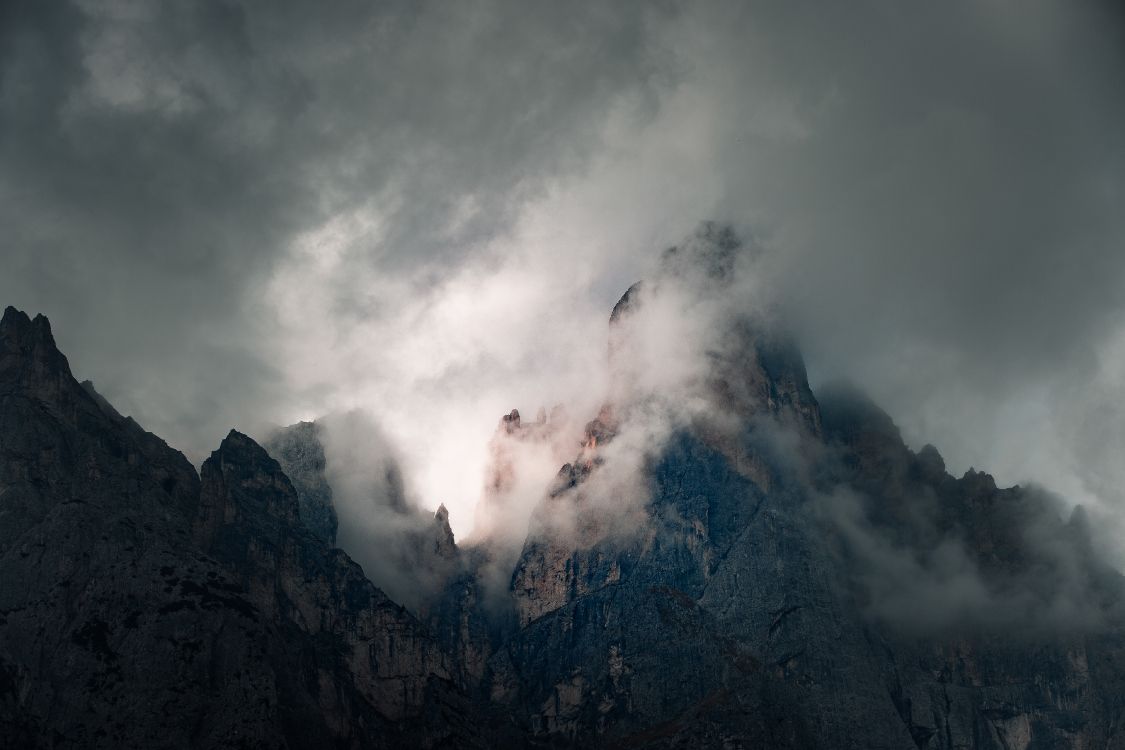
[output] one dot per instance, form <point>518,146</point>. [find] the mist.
<point>249,215</point>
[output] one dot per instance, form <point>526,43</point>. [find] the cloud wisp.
<point>251,214</point>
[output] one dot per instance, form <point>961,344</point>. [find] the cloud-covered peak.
<point>404,208</point>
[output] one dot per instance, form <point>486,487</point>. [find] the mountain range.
<point>724,559</point>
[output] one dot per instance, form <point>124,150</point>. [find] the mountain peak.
<point>17,323</point>
<point>444,544</point>
<point>242,481</point>
<point>692,328</point>
<point>299,449</point>
<point>511,421</point>
<point>627,302</point>
<point>711,253</point>
<point>847,411</point>
<point>25,341</point>
<point>13,317</point>
<point>238,441</point>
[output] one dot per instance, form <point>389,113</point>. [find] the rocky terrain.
<point>770,568</point>
<point>143,605</point>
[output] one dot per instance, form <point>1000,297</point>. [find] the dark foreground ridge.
<point>798,578</point>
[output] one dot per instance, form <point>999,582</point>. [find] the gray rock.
<point>300,452</point>
<point>756,603</point>
<point>141,607</point>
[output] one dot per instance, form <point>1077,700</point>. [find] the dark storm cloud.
<point>958,173</point>
<point>134,226</point>
<point>237,211</point>
<point>157,159</point>
<point>943,187</point>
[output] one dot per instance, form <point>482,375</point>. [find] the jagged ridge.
<point>754,597</point>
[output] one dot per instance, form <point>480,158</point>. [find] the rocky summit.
<point>726,560</point>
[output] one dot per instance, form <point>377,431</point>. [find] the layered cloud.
<point>240,214</point>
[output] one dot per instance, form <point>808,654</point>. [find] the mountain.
<point>725,559</point>
<point>143,605</point>
<point>300,453</point>
<point>406,551</point>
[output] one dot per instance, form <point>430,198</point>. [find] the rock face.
<point>803,579</point>
<point>407,552</point>
<point>300,452</point>
<point>362,649</point>
<point>141,606</point>
<point>797,577</point>
<point>767,568</point>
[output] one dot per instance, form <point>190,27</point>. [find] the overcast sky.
<point>243,214</point>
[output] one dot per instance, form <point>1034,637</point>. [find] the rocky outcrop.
<point>366,648</point>
<point>1011,632</point>
<point>300,452</point>
<point>745,617</point>
<point>516,453</point>
<point>756,386</point>
<point>797,577</point>
<point>142,607</point>
<point>408,552</point>
<point>736,617</point>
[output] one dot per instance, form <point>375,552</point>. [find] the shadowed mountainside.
<point>142,605</point>
<point>771,567</point>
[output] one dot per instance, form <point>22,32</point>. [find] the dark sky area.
<point>243,214</point>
